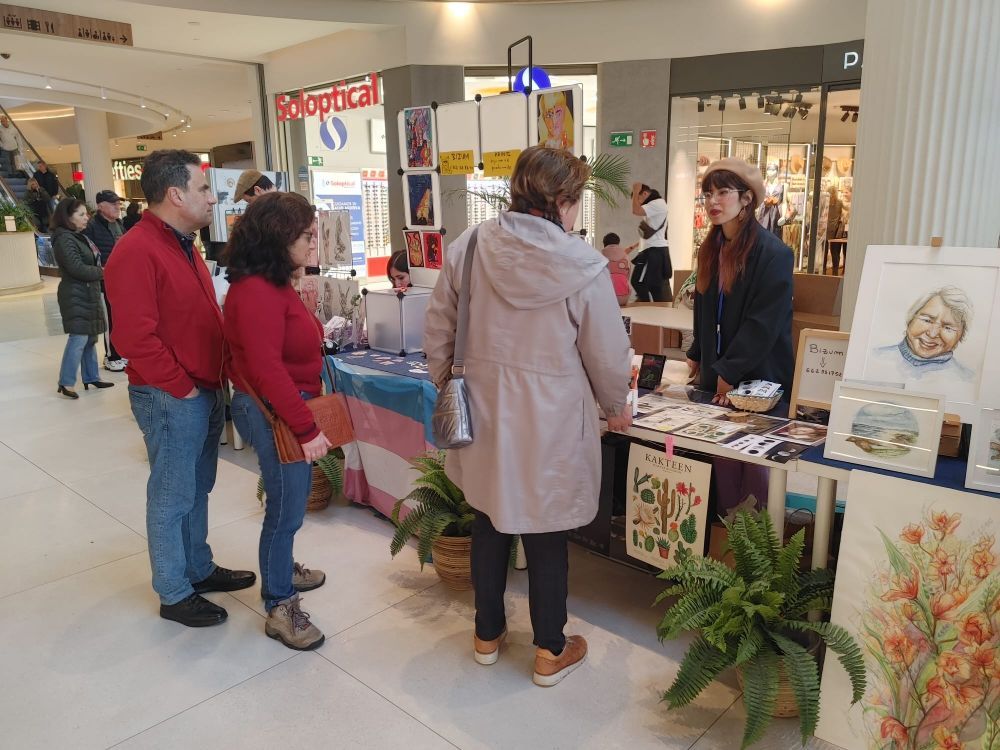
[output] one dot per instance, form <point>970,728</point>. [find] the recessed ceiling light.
<point>104,94</point>
<point>142,102</point>
<point>48,82</point>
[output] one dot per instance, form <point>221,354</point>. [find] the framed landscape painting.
<point>983,471</point>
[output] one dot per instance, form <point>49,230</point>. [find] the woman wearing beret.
<point>742,304</point>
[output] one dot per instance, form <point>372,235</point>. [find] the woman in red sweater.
<point>275,357</point>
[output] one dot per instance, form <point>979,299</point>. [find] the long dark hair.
<point>66,208</point>
<point>397,262</point>
<point>710,252</point>
<point>258,245</point>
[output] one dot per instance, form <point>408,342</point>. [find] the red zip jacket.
<point>275,345</point>
<point>167,322</point>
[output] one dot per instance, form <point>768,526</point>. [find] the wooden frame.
<point>800,361</point>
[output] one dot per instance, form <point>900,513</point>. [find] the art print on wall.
<point>421,198</point>
<point>983,471</point>
<point>556,118</point>
<point>433,250</point>
<point>887,428</point>
<point>418,138</point>
<point>667,506</point>
<point>414,251</point>
<point>334,240</point>
<point>918,586</point>
<point>928,319</point>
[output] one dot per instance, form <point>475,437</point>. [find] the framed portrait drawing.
<point>885,428</point>
<point>555,118</point>
<point>928,320</point>
<point>422,200</point>
<point>417,138</point>
<point>983,471</point>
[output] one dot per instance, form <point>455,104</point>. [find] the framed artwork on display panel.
<point>983,470</point>
<point>418,138</point>
<point>928,319</point>
<point>918,587</point>
<point>422,200</point>
<point>885,428</point>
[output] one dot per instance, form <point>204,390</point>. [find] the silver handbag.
<point>452,420</point>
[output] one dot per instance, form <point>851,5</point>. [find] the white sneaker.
<point>114,365</point>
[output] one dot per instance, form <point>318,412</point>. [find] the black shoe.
<point>195,612</point>
<point>224,579</point>
<point>97,384</point>
<point>67,392</point>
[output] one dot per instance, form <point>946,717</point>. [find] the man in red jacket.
<point>171,333</point>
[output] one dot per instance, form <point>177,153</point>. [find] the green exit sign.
<point>140,147</point>
<point>621,138</point>
<point>315,161</point>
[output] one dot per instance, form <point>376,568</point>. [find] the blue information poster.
<point>341,191</point>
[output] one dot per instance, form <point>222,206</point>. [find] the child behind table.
<point>618,265</point>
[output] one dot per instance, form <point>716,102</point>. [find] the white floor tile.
<point>122,494</point>
<point>96,664</point>
<point>52,533</point>
<point>783,734</point>
<point>305,702</point>
<point>20,475</point>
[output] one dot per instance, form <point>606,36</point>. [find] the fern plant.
<point>608,182</point>
<point>332,466</point>
<point>755,617</point>
<point>439,509</point>
<point>24,217</point>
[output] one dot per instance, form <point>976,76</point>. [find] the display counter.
<point>18,263</point>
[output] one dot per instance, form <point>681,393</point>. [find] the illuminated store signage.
<point>341,97</point>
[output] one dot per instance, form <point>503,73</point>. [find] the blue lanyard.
<point>718,324</point>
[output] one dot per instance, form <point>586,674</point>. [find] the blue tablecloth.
<point>950,472</point>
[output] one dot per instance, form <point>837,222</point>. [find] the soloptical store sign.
<point>321,103</point>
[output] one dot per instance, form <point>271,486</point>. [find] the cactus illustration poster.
<point>666,506</point>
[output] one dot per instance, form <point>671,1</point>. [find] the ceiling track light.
<point>790,112</point>
<point>854,117</point>
<point>743,103</point>
<point>760,102</point>
<point>722,104</point>
<point>701,106</point>
<point>798,99</point>
<point>803,112</point>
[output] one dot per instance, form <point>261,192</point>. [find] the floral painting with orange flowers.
<point>666,506</point>
<point>918,584</point>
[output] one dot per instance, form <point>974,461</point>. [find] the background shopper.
<point>132,215</point>
<point>276,356</point>
<point>398,270</point>
<point>40,202</point>
<point>544,336</point>
<point>170,329</point>
<point>104,230</point>
<point>9,145</point>
<point>618,265</point>
<point>47,179</point>
<point>742,308</point>
<point>652,271</point>
<point>79,296</point>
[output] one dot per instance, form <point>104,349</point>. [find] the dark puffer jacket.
<point>80,287</point>
<point>104,234</point>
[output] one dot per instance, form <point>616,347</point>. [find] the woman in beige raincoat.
<point>545,337</point>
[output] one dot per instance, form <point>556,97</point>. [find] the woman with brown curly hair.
<point>545,336</point>
<point>275,355</point>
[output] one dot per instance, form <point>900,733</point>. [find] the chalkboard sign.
<point>819,364</point>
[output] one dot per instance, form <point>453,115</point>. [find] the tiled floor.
<point>87,663</point>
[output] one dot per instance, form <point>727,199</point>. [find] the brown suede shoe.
<point>550,669</point>
<point>304,579</point>
<point>487,652</point>
<point>289,624</point>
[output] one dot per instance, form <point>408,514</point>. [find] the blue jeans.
<point>79,353</point>
<point>287,487</point>
<point>182,441</point>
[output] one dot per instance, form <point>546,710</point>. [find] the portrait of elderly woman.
<point>936,324</point>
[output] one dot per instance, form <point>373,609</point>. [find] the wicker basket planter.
<point>319,495</point>
<point>785,706</point>
<point>452,561</point>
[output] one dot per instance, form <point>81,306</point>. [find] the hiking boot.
<point>287,623</point>
<point>304,579</point>
<point>550,669</point>
<point>487,652</point>
<point>195,612</point>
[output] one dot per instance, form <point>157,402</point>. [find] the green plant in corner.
<point>332,466</point>
<point>24,217</point>
<point>755,617</point>
<point>438,508</point>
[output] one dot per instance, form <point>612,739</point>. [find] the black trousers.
<point>109,346</point>
<point>654,284</point>
<point>548,582</point>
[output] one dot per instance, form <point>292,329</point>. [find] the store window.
<point>339,157</point>
<point>492,83</point>
<point>806,160</point>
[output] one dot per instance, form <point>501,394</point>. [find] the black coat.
<point>80,287</point>
<point>756,328</point>
<point>104,234</point>
<point>48,182</point>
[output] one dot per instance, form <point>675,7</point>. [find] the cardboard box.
<point>815,294</point>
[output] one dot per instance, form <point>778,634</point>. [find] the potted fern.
<point>755,617</point>
<point>442,520</point>
<point>327,480</point>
